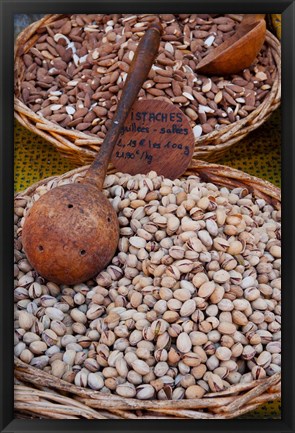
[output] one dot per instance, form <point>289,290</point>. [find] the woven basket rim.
<point>217,173</point>
<point>82,148</point>
<point>225,404</point>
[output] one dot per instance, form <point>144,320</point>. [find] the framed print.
<point>147,184</point>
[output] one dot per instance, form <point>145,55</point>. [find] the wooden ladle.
<point>239,51</point>
<point>71,233</point>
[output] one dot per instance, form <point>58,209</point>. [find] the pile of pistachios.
<point>189,305</point>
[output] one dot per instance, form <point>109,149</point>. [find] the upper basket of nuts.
<point>70,69</point>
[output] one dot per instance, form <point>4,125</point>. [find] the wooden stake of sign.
<point>156,136</point>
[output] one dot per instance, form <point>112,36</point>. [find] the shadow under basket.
<point>81,148</point>
<point>39,394</point>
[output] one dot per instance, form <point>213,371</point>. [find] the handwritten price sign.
<point>156,136</point>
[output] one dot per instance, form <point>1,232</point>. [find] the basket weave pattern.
<point>81,148</point>
<point>39,394</point>
<point>84,403</point>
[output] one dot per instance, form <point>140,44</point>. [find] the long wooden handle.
<point>141,64</point>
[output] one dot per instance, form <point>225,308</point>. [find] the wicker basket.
<point>39,394</point>
<point>81,148</point>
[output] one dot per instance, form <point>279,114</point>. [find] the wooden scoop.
<point>239,51</point>
<point>71,233</point>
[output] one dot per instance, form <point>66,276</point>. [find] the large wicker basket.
<point>81,148</point>
<point>39,394</point>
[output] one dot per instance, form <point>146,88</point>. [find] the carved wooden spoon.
<point>71,233</point>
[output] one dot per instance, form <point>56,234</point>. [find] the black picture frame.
<point>7,10</point>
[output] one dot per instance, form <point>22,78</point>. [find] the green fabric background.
<point>258,154</point>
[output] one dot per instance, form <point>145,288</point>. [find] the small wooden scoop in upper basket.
<point>239,51</point>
